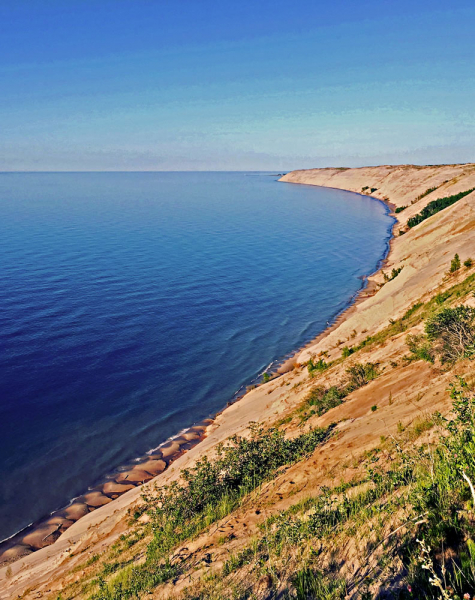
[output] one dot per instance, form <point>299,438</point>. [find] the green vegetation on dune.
<point>419,491</point>
<point>207,493</point>
<point>320,399</point>
<point>393,275</point>
<point>316,367</point>
<point>418,313</point>
<point>409,528</point>
<point>426,193</point>
<point>436,206</point>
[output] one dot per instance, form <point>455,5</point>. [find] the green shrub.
<point>453,332</point>
<point>266,377</point>
<point>455,264</point>
<point>323,399</point>
<point>374,190</point>
<point>374,408</point>
<point>400,209</point>
<point>420,348</point>
<point>394,274</point>
<point>347,351</point>
<point>442,297</point>
<point>361,374</point>
<point>426,193</point>
<point>468,263</point>
<point>206,493</point>
<point>316,367</point>
<point>436,206</point>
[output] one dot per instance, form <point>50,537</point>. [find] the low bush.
<point>361,374</point>
<point>315,367</point>
<point>426,193</point>
<point>394,274</point>
<point>452,331</point>
<point>420,348</point>
<point>468,263</point>
<point>347,351</point>
<point>321,400</point>
<point>206,493</point>
<point>400,209</point>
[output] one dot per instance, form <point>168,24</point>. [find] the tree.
<point>455,264</point>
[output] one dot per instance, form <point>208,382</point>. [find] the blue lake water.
<point>134,304</point>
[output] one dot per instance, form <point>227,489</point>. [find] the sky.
<point>225,85</point>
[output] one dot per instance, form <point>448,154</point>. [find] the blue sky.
<point>220,85</point>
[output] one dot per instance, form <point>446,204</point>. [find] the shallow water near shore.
<point>134,304</point>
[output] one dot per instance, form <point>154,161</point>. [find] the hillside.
<point>327,495</point>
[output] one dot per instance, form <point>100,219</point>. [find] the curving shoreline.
<point>45,531</point>
<point>48,529</point>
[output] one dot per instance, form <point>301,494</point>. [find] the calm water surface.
<point>134,304</point>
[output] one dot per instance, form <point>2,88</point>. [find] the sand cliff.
<point>402,391</point>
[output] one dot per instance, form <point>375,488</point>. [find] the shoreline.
<point>367,290</point>
<point>45,531</point>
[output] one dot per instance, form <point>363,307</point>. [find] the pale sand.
<point>425,253</point>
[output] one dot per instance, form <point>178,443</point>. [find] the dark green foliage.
<point>455,264</point>
<point>374,190</point>
<point>347,351</point>
<point>420,348</point>
<point>468,263</point>
<point>426,193</point>
<point>316,367</point>
<point>322,400</point>
<point>208,491</point>
<point>441,298</point>
<point>266,377</point>
<point>366,187</point>
<point>442,492</point>
<point>453,332</point>
<point>374,408</point>
<point>400,209</point>
<point>241,464</point>
<point>361,374</point>
<point>435,206</point>
<point>394,274</point>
